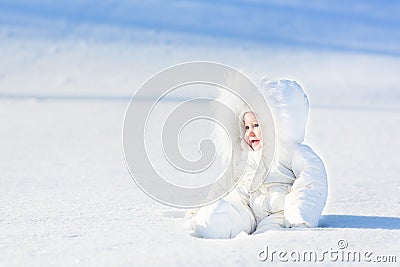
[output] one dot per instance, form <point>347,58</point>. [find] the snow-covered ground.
<point>66,196</point>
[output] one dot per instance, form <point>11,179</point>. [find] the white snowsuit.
<point>295,190</point>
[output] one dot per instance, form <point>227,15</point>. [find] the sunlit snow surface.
<point>66,196</point>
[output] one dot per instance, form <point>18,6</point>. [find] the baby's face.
<point>252,133</point>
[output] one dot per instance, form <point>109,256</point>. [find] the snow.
<point>66,196</point>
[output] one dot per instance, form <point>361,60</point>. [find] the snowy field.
<point>67,198</point>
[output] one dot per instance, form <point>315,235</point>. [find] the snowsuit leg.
<point>274,221</point>
<point>224,219</point>
<point>268,206</point>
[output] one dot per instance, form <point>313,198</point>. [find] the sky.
<point>355,26</point>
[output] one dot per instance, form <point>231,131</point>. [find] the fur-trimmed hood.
<point>289,106</point>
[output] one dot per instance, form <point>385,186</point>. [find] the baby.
<point>295,190</point>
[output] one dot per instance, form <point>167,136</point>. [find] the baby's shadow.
<point>362,222</point>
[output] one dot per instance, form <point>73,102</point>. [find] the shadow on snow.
<point>361,222</point>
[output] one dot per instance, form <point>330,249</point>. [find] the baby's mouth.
<point>254,142</point>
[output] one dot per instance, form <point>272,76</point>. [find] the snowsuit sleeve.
<point>307,198</point>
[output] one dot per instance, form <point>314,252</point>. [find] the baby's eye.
<point>256,125</point>
<point>246,127</point>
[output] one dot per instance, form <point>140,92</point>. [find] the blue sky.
<point>356,26</point>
